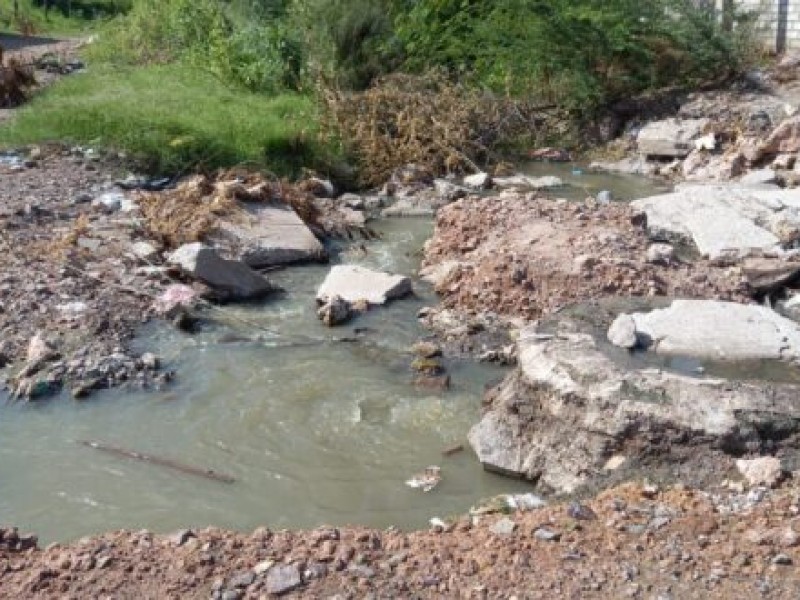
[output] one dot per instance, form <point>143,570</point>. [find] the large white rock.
<point>229,276</point>
<point>270,235</point>
<point>357,284</point>
<point>724,220</point>
<point>707,329</point>
<point>569,408</point>
<point>670,137</point>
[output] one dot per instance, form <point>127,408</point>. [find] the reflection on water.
<point>314,430</point>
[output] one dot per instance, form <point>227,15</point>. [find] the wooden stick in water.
<point>156,460</point>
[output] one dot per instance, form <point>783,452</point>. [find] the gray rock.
<point>478,181</point>
<point>353,201</point>
<point>335,311</point>
<point>660,254</point>
<point>82,198</point>
<point>228,276</point>
<point>670,137</point>
<point>273,235</point>
<point>546,534</point>
<point>362,571</point>
<point>782,559</point>
<point>622,332</point>
<point>449,192</point>
<point>179,538</point>
<point>144,251</point>
<point>110,201</point>
<point>724,221</point>
<point>242,580</point>
<point>766,470</point>
<point>525,502</point>
<point>726,331</point>
<point>604,197</point>
<point>561,414</point>
<point>357,284</point>
<point>282,579</point>
<point>504,527</point>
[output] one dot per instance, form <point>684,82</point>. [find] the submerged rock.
<point>525,182</point>
<point>569,408</point>
<point>356,284</point>
<point>230,277</point>
<point>335,311</point>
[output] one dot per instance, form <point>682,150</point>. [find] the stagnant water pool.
<point>313,430</point>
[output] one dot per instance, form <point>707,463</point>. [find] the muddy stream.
<point>314,430</point>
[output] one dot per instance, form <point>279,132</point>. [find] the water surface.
<point>315,430</point>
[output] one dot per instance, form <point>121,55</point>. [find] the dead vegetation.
<point>16,81</point>
<point>425,120</point>
<point>189,212</point>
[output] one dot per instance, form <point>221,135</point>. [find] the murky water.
<point>314,430</point>
<point>582,182</point>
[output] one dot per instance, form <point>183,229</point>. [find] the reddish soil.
<point>525,256</point>
<point>631,541</point>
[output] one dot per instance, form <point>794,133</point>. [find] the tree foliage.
<point>580,53</point>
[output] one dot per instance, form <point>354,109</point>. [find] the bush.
<point>261,57</point>
<point>581,54</point>
<point>350,42</point>
<point>430,121</point>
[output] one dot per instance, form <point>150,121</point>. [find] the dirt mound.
<point>526,256</point>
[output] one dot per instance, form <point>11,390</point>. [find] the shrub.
<point>260,56</point>
<point>349,41</point>
<point>577,53</point>
<point>443,126</point>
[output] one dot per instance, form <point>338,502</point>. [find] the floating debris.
<point>427,480</point>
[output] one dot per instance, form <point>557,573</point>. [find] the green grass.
<point>84,17</point>
<point>172,118</point>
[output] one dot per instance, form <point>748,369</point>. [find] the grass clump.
<point>173,118</point>
<point>59,17</point>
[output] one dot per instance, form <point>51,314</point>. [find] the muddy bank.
<point>632,541</point>
<point>73,292</point>
<point>90,255</point>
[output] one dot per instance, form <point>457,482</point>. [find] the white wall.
<point>769,11</point>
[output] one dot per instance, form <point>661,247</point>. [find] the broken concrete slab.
<point>722,331</point>
<point>724,220</point>
<point>569,408</point>
<point>233,278</point>
<point>769,274</point>
<point>760,176</point>
<point>270,235</point>
<point>672,138</point>
<point>356,284</point>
